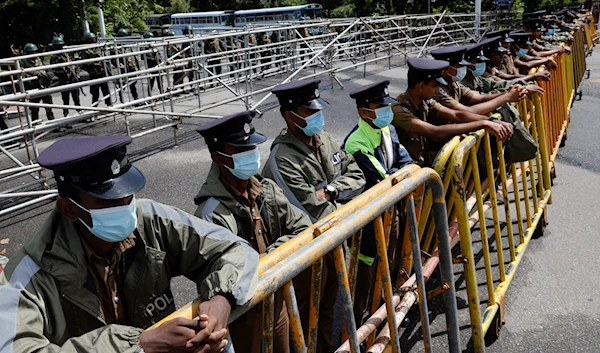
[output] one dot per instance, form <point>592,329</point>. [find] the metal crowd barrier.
<point>278,268</point>
<point>303,50</point>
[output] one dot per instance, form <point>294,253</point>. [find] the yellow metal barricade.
<point>588,39</point>
<point>517,195</point>
<point>328,236</point>
<point>578,52</point>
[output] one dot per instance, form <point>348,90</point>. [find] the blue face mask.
<point>383,116</point>
<point>314,123</point>
<point>461,72</point>
<point>112,224</point>
<point>245,164</point>
<point>550,32</point>
<point>522,52</point>
<point>479,69</point>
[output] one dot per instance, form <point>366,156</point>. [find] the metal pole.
<point>101,21</point>
<point>477,18</point>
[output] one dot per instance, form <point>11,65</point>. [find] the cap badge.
<point>317,94</point>
<point>247,128</point>
<point>115,167</point>
<point>386,92</point>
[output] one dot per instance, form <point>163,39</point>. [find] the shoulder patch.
<point>443,92</point>
<point>336,159</point>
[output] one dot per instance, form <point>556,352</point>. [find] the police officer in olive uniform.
<point>523,61</point>
<point>377,150</point>
<point>416,109</point>
<point>456,96</point>
<point>316,176</point>
<point>128,64</point>
<point>95,70</point>
<point>152,61</point>
<point>535,27</point>
<point>254,208</point>
<point>501,65</point>
<point>65,74</point>
<point>44,80</point>
<point>476,81</point>
<point>98,272</point>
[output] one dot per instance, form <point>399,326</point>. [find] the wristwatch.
<point>331,191</point>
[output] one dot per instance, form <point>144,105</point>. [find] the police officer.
<point>254,208</point>
<point>520,49</point>
<point>128,64</point>
<point>65,74</point>
<point>535,27</point>
<point>476,81</point>
<point>44,80</point>
<point>95,70</point>
<point>213,46</point>
<point>416,108</point>
<point>152,61</point>
<point>172,50</point>
<point>377,150</point>
<point>501,65</point>
<point>316,176</point>
<point>458,97</point>
<point>98,271</point>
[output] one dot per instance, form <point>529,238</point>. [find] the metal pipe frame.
<point>360,41</point>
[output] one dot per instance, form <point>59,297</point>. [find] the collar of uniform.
<point>254,191</point>
<point>286,137</point>
<point>413,106</point>
<point>119,249</point>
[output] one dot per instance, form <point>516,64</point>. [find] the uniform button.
<point>117,300</point>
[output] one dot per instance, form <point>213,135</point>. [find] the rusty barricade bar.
<point>277,269</point>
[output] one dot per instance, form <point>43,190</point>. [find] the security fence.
<point>151,77</point>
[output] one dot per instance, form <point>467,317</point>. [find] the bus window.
<point>195,20</point>
<point>269,18</point>
<point>202,20</point>
<point>260,19</point>
<point>278,17</point>
<point>250,19</point>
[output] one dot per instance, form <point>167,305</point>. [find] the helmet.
<point>88,36</point>
<point>148,34</point>
<point>171,34</point>
<point>122,32</point>
<point>58,40</point>
<point>188,30</point>
<point>30,47</point>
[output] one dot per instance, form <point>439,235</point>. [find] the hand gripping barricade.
<point>278,268</point>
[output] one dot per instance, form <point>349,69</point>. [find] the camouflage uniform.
<point>66,75</point>
<point>44,80</point>
<point>96,70</point>
<point>127,64</point>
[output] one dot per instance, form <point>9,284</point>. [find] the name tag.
<point>336,159</point>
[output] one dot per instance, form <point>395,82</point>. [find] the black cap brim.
<point>387,100</point>
<point>316,104</point>
<point>249,140</point>
<point>122,186</point>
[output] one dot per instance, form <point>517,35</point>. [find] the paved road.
<point>552,305</point>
